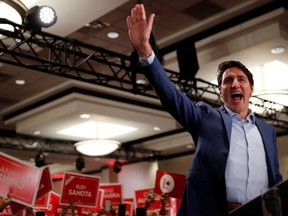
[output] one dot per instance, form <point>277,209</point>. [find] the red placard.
<point>19,179</point>
<point>45,183</point>
<point>130,201</point>
<point>113,193</point>
<point>42,202</point>
<point>129,208</point>
<point>172,184</point>
<point>17,208</point>
<point>53,207</point>
<point>140,197</point>
<point>6,211</point>
<point>100,198</point>
<point>79,189</point>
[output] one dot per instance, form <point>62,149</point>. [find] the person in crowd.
<point>236,155</point>
<point>163,198</point>
<point>4,202</point>
<point>73,207</point>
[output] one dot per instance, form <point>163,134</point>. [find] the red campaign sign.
<point>19,179</point>
<point>113,193</point>
<point>17,208</point>
<point>79,189</point>
<point>172,184</point>
<point>141,195</point>
<point>131,201</point>
<point>6,211</point>
<point>129,208</point>
<point>45,183</point>
<point>100,198</point>
<point>53,204</point>
<point>42,202</point>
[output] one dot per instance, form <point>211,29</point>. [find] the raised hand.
<point>140,30</point>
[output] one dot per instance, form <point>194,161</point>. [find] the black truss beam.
<point>15,141</point>
<point>73,59</point>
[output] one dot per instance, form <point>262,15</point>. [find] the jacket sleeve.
<point>174,101</point>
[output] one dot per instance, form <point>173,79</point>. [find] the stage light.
<point>117,166</point>
<point>80,163</point>
<point>38,17</point>
<point>40,160</point>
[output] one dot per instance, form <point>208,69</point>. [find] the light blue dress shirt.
<point>246,170</point>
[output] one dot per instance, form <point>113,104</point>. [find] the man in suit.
<point>236,155</point>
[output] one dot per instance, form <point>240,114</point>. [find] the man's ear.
<point>220,92</point>
<point>252,90</point>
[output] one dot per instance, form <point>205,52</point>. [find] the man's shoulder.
<point>264,124</point>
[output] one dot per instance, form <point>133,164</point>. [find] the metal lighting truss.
<point>77,60</point>
<point>73,59</point>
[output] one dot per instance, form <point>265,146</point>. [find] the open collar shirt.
<point>246,170</point>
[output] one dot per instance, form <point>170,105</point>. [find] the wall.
<point>137,176</point>
<point>283,155</point>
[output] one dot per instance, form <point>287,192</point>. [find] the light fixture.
<point>117,166</point>
<point>112,35</point>
<point>12,10</point>
<point>97,147</point>
<point>278,50</point>
<point>38,17</point>
<point>91,130</point>
<point>19,82</point>
<point>80,163</point>
<point>40,160</point>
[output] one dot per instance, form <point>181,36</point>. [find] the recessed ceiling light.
<point>20,82</point>
<point>278,50</point>
<point>85,116</point>
<point>112,35</point>
<point>36,132</point>
<point>156,129</point>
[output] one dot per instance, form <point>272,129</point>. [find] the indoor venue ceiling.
<point>244,30</point>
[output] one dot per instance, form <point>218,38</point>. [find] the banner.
<point>19,179</point>
<point>172,184</point>
<point>79,189</point>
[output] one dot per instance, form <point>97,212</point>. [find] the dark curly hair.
<point>222,67</point>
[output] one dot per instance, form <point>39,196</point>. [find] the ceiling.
<point>221,30</point>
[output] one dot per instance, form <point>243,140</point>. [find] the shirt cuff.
<point>147,61</point>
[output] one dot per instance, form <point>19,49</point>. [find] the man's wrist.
<point>147,60</point>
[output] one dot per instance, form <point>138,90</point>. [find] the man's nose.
<point>235,83</point>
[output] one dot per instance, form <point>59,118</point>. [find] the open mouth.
<point>237,95</point>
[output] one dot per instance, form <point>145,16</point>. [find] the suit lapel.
<point>266,137</point>
<point>227,122</point>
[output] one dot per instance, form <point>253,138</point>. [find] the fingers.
<point>150,21</point>
<point>138,13</point>
<point>129,22</point>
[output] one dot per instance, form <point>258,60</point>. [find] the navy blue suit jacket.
<point>210,128</point>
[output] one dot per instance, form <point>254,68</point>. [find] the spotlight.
<point>80,163</point>
<point>40,160</point>
<point>38,17</point>
<point>117,166</point>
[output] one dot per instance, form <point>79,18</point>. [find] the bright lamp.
<point>97,147</point>
<point>40,16</point>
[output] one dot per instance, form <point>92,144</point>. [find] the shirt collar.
<point>250,117</point>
